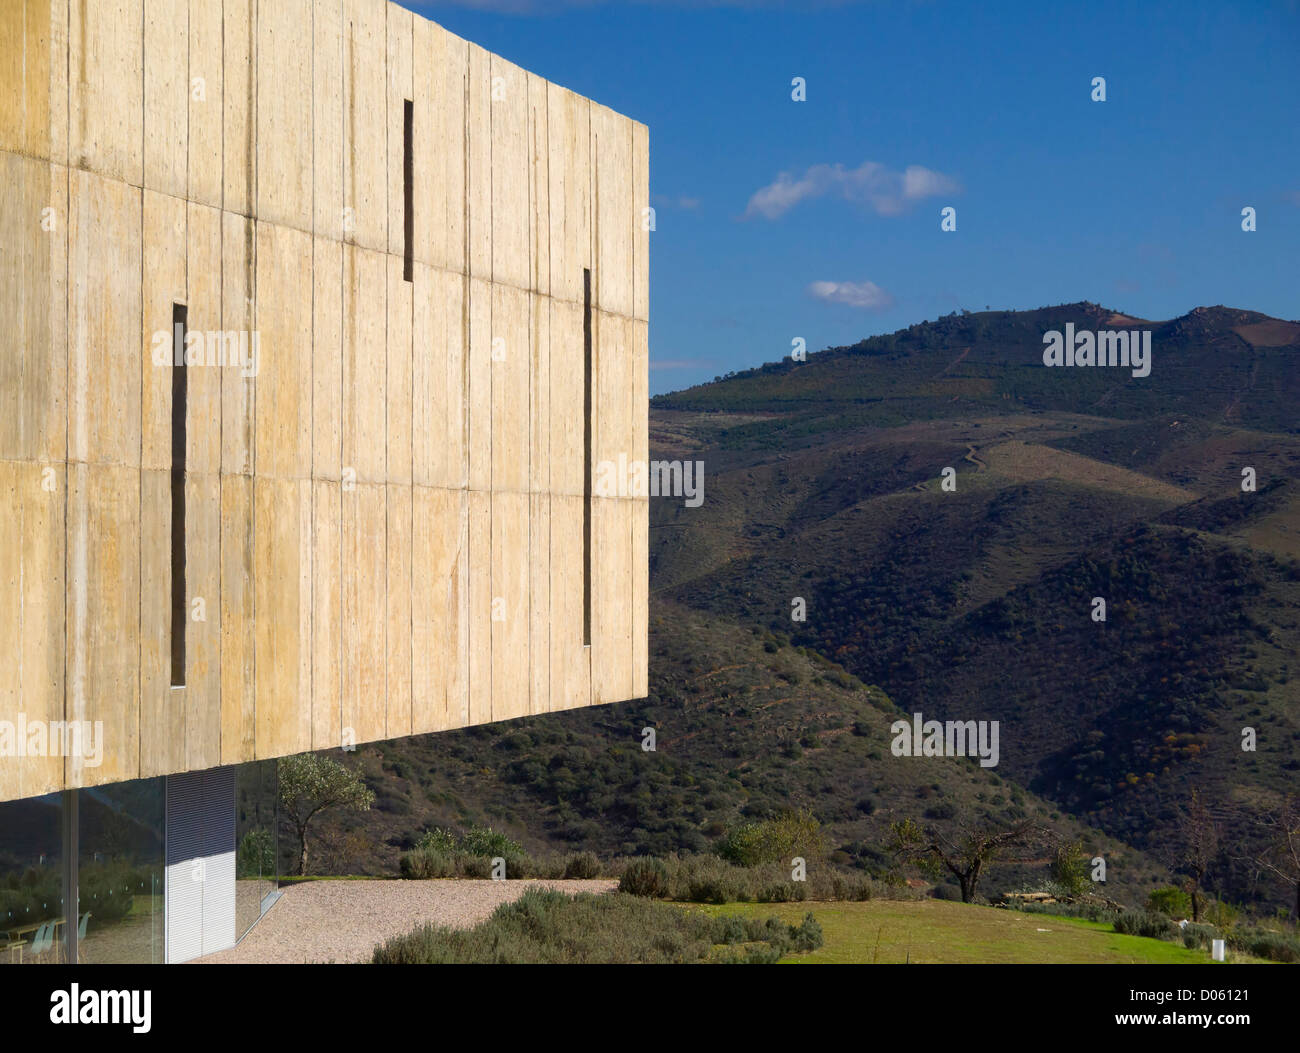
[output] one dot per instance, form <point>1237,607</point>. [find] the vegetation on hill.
<point>825,483</point>
<point>977,602</point>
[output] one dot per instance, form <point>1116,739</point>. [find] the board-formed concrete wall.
<point>384,521</point>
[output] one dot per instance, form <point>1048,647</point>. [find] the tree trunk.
<point>1196,904</point>
<point>302,853</point>
<point>967,887</point>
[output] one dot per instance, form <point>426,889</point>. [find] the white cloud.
<point>921,182</point>
<point>882,189</point>
<point>867,295</point>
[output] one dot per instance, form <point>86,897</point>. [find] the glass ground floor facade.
<point>134,857</point>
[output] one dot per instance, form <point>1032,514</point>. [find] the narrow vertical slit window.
<point>586,456</point>
<point>180,397</point>
<point>408,189</point>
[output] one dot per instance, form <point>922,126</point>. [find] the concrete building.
<point>409,281</point>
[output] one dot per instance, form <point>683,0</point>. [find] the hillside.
<point>746,725</point>
<point>823,482</point>
<point>977,602</point>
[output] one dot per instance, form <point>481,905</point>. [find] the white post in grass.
<point>1216,950</point>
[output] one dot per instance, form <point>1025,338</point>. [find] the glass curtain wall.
<point>32,915</point>
<point>120,872</point>
<point>120,869</point>
<point>256,842</point>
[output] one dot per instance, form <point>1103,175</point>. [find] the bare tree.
<point>965,854</point>
<point>1281,853</point>
<point>1200,840</point>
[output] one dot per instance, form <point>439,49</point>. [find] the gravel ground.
<point>343,921</point>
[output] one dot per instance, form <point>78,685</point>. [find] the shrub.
<point>708,879</point>
<point>1219,914</point>
<point>742,845</point>
<point>256,856</point>
<point>582,865</point>
<point>437,839</point>
<point>808,936</point>
<point>108,890</point>
<point>1264,943</point>
<point>781,892</point>
<point>1171,901</point>
<point>546,926</point>
<point>484,841</point>
<point>712,890</point>
<point>426,863</point>
<point>778,839</point>
<point>1090,911</point>
<point>1070,870</point>
<point>520,865</point>
<point>26,906</point>
<point>645,877</point>
<point>474,866</point>
<point>440,853</point>
<point>1198,935</point>
<point>1146,923</point>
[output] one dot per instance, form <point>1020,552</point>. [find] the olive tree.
<point>309,784</point>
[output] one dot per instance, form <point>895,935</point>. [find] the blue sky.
<point>821,219</point>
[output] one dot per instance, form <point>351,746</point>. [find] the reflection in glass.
<point>120,870</point>
<point>256,843</point>
<point>31,880</point>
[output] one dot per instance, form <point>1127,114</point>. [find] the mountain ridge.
<point>826,481</point>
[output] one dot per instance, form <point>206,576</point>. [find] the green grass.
<point>937,931</point>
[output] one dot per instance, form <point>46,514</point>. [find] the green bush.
<point>256,855</point>
<point>484,841</point>
<point>1070,870</point>
<point>27,906</point>
<point>1219,914</point>
<point>520,864</point>
<point>782,892</point>
<point>1171,901</point>
<point>1265,943</point>
<point>709,879</point>
<point>1089,911</point>
<point>437,839</point>
<point>1195,936</point>
<point>778,839</point>
<point>545,926</point>
<point>427,863</point>
<point>1146,923</point>
<point>582,865</point>
<point>854,887</point>
<point>475,866</point>
<point>108,890</point>
<point>439,853</point>
<point>645,877</point>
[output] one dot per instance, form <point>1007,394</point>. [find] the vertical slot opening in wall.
<point>586,456</point>
<point>180,397</point>
<point>408,188</point>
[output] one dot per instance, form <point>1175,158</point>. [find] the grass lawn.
<point>938,931</point>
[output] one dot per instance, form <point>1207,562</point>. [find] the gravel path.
<point>343,921</point>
